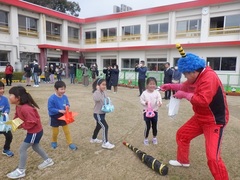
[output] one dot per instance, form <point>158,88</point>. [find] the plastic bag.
<point>173,106</point>
<point>3,126</point>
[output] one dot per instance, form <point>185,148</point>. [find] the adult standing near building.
<point>8,74</point>
<point>27,74</point>
<point>72,72</point>
<point>46,74</point>
<point>85,76</point>
<point>142,70</point>
<point>114,76</point>
<point>167,79</point>
<point>176,77</point>
<point>35,71</point>
<point>51,73</point>
<point>204,90</point>
<point>94,70</point>
<point>107,72</point>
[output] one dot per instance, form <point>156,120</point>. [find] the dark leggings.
<point>8,139</point>
<point>100,123</point>
<point>151,122</point>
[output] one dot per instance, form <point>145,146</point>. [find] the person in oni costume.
<point>204,90</point>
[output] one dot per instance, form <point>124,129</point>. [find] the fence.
<point>231,82</point>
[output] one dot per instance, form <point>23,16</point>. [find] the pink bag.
<point>149,112</point>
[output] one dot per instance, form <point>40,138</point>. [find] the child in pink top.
<point>153,98</point>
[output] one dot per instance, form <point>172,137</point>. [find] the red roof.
<point>159,9</point>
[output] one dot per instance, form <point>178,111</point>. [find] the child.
<point>26,111</point>
<point>99,87</point>
<point>5,108</point>
<point>56,108</point>
<point>152,96</point>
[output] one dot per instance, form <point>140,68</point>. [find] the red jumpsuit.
<point>210,116</point>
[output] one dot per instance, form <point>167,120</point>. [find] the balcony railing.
<point>73,40</point>
<point>91,41</point>
<point>135,37</point>
<point>4,28</point>
<point>188,34</point>
<point>154,36</point>
<point>108,39</point>
<point>224,30</point>
<point>27,32</point>
<point>53,37</point>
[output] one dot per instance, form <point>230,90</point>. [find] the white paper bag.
<point>173,106</point>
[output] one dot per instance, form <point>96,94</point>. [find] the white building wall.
<point>15,44</point>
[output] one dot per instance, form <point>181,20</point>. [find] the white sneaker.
<point>108,145</point>
<point>154,141</point>
<point>46,163</point>
<point>95,141</point>
<point>17,173</point>
<point>176,163</point>
<point>146,142</point>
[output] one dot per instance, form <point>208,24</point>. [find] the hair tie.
<point>98,80</point>
<point>27,92</point>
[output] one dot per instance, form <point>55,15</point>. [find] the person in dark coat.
<point>27,74</point>
<point>167,79</point>
<point>142,70</point>
<point>107,72</point>
<point>114,77</point>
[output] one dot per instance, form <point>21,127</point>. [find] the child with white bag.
<point>151,100</point>
<point>4,113</point>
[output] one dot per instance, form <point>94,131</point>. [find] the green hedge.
<point>16,75</point>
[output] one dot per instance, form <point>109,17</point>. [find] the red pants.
<point>213,135</point>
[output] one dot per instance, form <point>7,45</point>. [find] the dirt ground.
<point>90,161</point>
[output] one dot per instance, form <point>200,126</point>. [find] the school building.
<point>210,29</point>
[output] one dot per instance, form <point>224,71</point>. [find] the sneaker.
<point>73,147</point>
<point>108,145</point>
<point>146,142</point>
<point>54,145</point>
<point>8,153</point>
<point>176,163</point>
<point>154,141</point>
<point>46,163</point>
<point>16,174</point>
<point>95,141</point>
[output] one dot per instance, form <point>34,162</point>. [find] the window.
<point>158,28</point>
<point>53,31</point>
<point>4,21</point>
<point>109,62</point>
<point>131,33</point>
<point>225,24</point>
<point>108,35</point>
<point>175,61</point>
<point>109,32</point>
<point>131,30</point>
<point>157,31</point>
<point>4,58</point>
<point>89,62</point>
<point>129,64</point>
<point>189,25</point>
<point>90,37</point>
<point>27,26</point>
<point>3,18</point>
<point>156,64</point>
<point>233,21</point>
<point>222,63</point>
<point>217,22</point>
<point>73,34</point>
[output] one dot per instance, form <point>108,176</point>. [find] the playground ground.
<point>90,161</point>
